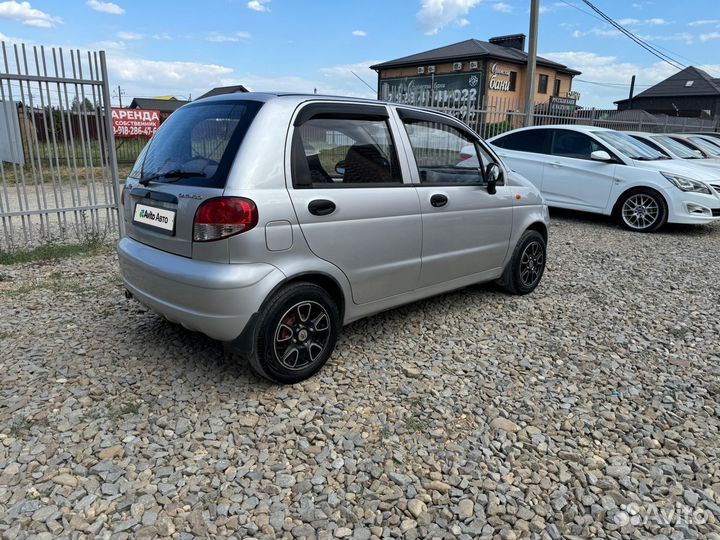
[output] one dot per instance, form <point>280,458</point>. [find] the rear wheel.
<point>297,331</point>
<point>642,210</point>
<point>522,275</point>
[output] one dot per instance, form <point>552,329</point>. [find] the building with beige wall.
<point>474,72</point>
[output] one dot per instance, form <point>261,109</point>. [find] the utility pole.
<point>632,91</point>
<point>119,93</point>
<point>532,60</point>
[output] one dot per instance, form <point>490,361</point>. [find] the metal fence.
<point>58,164</point>
<point>493,115</point>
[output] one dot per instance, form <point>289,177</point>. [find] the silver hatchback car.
<point>268,221</point>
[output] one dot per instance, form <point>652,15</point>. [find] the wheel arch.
<point>244,344</point>
<point>540,227</point>
<point>635,189</point>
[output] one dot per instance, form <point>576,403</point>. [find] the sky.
<point>158,47</point>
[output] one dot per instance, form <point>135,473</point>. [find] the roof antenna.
<point>314,90</point>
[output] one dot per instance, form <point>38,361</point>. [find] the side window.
<point>443,153</point>
<point>542,84</point>
<point>573,144</point>
<point>536,141</point>
<point>344,152</point>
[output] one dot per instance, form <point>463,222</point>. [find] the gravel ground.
<point>590,408</point>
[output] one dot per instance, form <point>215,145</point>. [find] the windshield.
<point>196,144</point>
<point>625,144</point>
<point>707,146</point>
<point>680,149</point>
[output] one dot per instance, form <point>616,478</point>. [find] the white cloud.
<point>704,22</point>
<point>709,37</point>
<point>130,36</point>
<point>502,7</point>
<point>628,22</point>
<point>259,5</point>
<point>216,37</point>
<point>610,70</point>
<point>163,36</point>
<point>553,7</point>
<point>462,23</point>
<point>436,14</point>
<point>105,7</point>
<point>24,13</point>
<point>12,39</point>
<point>656,22</point>
<point>359,33</point>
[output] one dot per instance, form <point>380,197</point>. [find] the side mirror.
<point>493,174</point>
<point>600,155</point>
<point>340,168</point>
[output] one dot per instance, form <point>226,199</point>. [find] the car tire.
<point>641,210</point>
<point>527,265</point>
<point>296,333</point>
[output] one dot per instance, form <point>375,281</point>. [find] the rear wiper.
<point>177,174</point>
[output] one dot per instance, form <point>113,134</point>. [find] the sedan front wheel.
<point>642,210</point>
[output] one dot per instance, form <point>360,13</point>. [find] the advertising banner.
<point>451,89</point>
<point>135,123</point>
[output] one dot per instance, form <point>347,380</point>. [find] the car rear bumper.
<point>213,298</point>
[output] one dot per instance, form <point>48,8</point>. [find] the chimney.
<point>513,41</point>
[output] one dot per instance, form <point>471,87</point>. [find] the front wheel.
<point>297,331</point>
<point>642,210</point>
<point>522,275</point>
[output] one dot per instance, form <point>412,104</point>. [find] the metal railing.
<point>495,115</point>
<point>58,163</point>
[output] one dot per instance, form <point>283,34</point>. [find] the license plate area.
<point>158,219</point>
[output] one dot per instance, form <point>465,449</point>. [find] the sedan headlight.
<point>687,184</point>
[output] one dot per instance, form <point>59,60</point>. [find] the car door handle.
<point>321,207</point>
<point>438,200</point>
<point>556,164</point>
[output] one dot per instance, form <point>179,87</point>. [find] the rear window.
<point>197,144</point>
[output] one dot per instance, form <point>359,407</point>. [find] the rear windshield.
<point>196,145</point>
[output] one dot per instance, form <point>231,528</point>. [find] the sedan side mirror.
<point>601,155</point>
<point>493,175</point>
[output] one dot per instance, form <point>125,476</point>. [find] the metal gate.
<point>58,171</point>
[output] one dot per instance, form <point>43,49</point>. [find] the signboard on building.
<point>562,105</point>
<point>135,123</point>
<point>436,90</point>
<point>500,78</point>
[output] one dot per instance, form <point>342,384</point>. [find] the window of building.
<point>556,90</point>
<point>513,81</point>
<point>542,84</point>
<point>344,152</point>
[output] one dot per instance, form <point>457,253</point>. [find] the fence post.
<point>112,154</point>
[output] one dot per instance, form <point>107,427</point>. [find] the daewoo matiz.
<point>268,221</point>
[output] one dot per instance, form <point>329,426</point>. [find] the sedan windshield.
<point>706,146</point>
<point>625,144</point>
<point>680,149</point>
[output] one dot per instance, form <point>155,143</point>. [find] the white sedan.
<point>608,172</point>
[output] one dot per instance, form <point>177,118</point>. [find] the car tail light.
<point>464,156</point>
<point>219,218</point>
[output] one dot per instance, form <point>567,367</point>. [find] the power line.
<point>589,13</point>
<point>362,81</point>
<point>652,50</point>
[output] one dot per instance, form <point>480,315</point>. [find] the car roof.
<point>572,127</point>
<point>301,98</point>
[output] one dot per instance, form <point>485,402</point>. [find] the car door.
<point>526,152</point>
<point>465,229</point>
<point>353,205</point>
<point>572,179</point>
